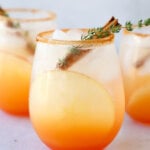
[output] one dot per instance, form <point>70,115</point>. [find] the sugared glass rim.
<point>50,15</point>
<point>41,37</point>
<point>143,35</point>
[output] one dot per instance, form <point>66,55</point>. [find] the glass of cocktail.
<point>18,28</point>
<point>135,62</point>
<point>33,21</point>
<point>76,97</point>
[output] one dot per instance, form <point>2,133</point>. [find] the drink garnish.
<point>75,53</point>
<point>141,61</point>
<point>112,26</point>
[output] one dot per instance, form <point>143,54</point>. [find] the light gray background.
<point>87,13</point>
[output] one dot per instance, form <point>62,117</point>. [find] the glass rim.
<point>143,35</point>
<point>50,14</point>
<point>41,37</point>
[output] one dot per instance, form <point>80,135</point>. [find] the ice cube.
<point>100,64</point>
<point>59,35</point>
<point>73,34</point>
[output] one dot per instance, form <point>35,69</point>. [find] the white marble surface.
<point>17,134</point>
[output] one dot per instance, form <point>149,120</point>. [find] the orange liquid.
<point>137,90</point>
<point>116,90</point>
<point>61,134</point>
<point>14,83</point>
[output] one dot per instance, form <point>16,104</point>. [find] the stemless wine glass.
<point>33,21</point>
<point>76,97</point>
<point>135,62</point>
<point>17,34</point>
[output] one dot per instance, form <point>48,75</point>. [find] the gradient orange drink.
<point>15,68</point>
<point>81,106</point>
<point>135,61</point>
<point>14,78</point>
<point>17,40</point>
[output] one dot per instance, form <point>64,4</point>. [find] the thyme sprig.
<point>129,26</point>
<point>73,55</point>
<point>74,50</point>
<point>96,33</point>
<point>101,32</point>
<point>141,23</point>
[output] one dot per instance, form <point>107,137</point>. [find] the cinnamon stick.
<point>71,58</point>
<point>112,21</point>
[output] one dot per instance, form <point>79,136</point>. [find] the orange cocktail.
<point>14,78</point>
<point>18,29</point>
<point>135,61</point>
<point>15,67</point>
<point>76,97</point>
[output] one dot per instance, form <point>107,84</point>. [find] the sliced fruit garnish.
<point>139,104</point>
<point>77,108</point>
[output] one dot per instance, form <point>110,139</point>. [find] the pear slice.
<point>71,108</point>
